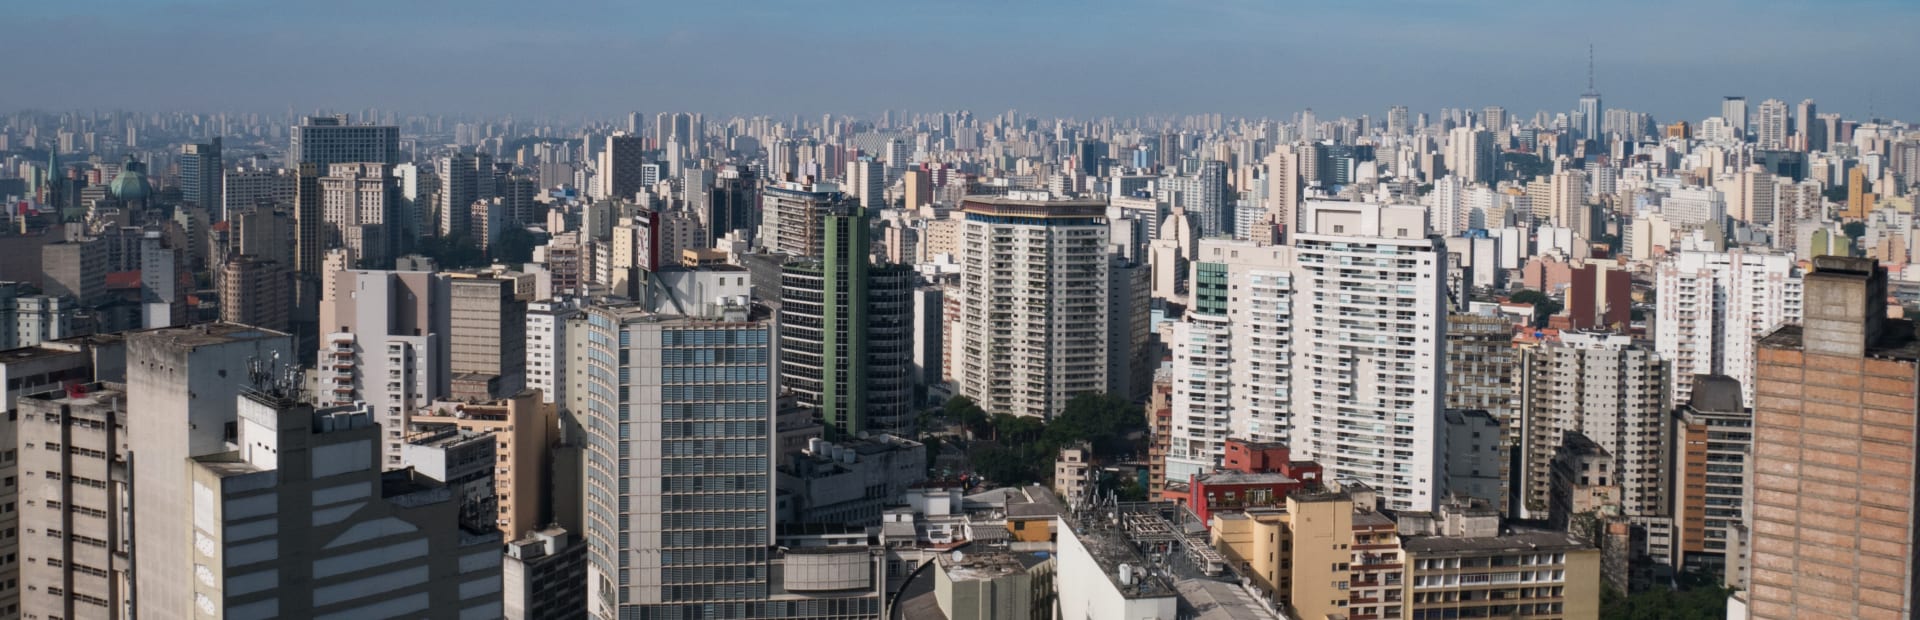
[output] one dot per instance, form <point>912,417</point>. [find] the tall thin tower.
<point>1590,110</point>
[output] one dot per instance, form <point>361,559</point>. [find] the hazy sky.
<point>1673,58</point>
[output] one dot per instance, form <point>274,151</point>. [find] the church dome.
<point>131,185</point>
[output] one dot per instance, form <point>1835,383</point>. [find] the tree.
<point>514,247</point>
<point>1543,306</point>
<point>964,411</point>
<point>1854,230</point>
<point>1104,421</point>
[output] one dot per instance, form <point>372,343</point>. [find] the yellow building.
<point>1334,555</point>
<point>522,426</point>
<point>1859,200</point>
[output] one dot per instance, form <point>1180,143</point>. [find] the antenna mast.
<point>1589,67</point>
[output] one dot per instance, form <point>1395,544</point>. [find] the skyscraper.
<point>620,174</point>
<point>200,176</point>
<point>487,331</point>
<point>845,332</point>
<point>77,496</point>
<point>791,216</point>
<point>735,203</point>
<point>254,291</point>
<point>1368,365</point>
<point>1607,388</point>
<point>1713,305</point>
<point>327,140</point>
<point>1591,112</point>
<point>1033,302</point>
<point>461,185</point>
<point>1807,125</point>
<point>385,344</point>
<point>1733,109</point>
<point>361,205</point>
<point>679,466</point>
<point>187,382</point>
<point>1771,125</point>
<point>1231,376</point>
<point>1834,495</point>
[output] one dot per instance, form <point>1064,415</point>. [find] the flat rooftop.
<point>1517,541</point>
<point>206,334</point>
<point>1896,341</point>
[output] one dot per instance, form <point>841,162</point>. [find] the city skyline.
<point>1131,59</point>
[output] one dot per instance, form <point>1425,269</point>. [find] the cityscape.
<point>1400,361</point>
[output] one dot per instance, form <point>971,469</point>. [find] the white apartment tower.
<point>385,344</point>
<point>1604,387</point>
<point>1033,301</point>
<point>1231,353</point>
<point>1712,307</point>
<point>1370,332</point>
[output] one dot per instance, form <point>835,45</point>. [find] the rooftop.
<point>1516,541</point>
<point>1896,342</point>
<point>1207,599</point>
<point>981,565</point>
<point>205,334</point>
<point>1235,477</point>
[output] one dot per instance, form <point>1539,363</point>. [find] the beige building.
<point>255,291</point>
<point>73,484</point>
<point>1332,555</point>
<point>522,426</point>
<point>360,202</point>
<point>1834,497</point>
<point>1073,474</point>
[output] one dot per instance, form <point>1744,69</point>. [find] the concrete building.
<point>846,332</point>
<point>255,291</point>
<point>74,268</point>
<point>360,203</point>
<point>1230,372</point>
<point>1607,388</point>
<point>1073,474</point>
<point>328,140</point>
<point>1033,301</point>
<point>544,576</point>
<point>1483,370</point>
<point>522,429</point>
<point>74,479</point>
<point>249,187</point>
<point>1462,563</point>
<point>1712,451</point>
<point>487,327</point>
<point>187,382</point>
<point>1477,456</point>
<point>850,481</point>
<point>546,347</point>
<point>1101,575</point>
<point>1712,305</point>
<point>620,163</point>
<point>300,521</point>
<point>200,174</point>
<point>462,461</point>
<point>792,214</point>
<point>1368,358</point>
<point>381,326</point>
<point>1834,508</point>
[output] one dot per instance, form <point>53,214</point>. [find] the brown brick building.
<point>1834,462</point>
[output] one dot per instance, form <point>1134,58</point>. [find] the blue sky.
<point>600,58</point>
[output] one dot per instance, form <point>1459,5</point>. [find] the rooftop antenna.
<point>1590,89</point>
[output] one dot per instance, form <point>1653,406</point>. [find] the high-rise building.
<point>75,268</point>
<point>867,182</point>
<point>1370,335</point>
<point>845,332</point>
<point>1230,350</point>
<point>385,344</point>
<point>246,187</point>
<point>1591,115</point>
<point>545,576</point>
<point>201,173</point>
<point>72,560</point>
<point>464,179</point>
<point>1807,125</point>
<point>1283,187</point>
<point>1610,390</point>
<point>360,204</point>
<point>1483,370</point>
<point>620,164</point>
<point>1033,302</point>
<point>520,428</point>
<point>679,470</point>
<point>1834,494</point>
<point>327,140</point>
<point>735,203</point>
<point>254,291</point>
<point>1396,121</point>
<point>487,328</point>
<point>300,521</point>
<point>1771,125</point>
<point>1712,450</point>
<point>187,383</point>
<point>1733,109</point>
<point>1713,305</point>
<point>791,216</point>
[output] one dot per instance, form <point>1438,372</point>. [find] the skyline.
<point>600,59</point>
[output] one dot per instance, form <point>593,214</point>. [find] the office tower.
<point>1807,125</point>
<point>254,291</point>
<point>1033,302</point>
<point>1494,119</point>
<point>544,575</point>
<point>247,187</point>
<point>1733,109</point>
<point>327,140</point>
<point>735,203</point>
<point>866,180</point>
<point>75,268</point>
<point>845,332</point>
<point>1230,372</point>
<point>72,553</point>
<point>186,382</point>
<point>360,204</point>
<point>461,185</point>
<point>520,428</point>
<point>1713,305</point>
<point>1396,121</point>
<point>487,322</point>
<point>1283,190</point>
<point>791,216</point>
<point>301,522</point>
<point>1607,388</point>
<point>620,165</point>
<point>1834,455</point>
<point>1367,380</point>
<point>680,508</point>
<point>1712,450</point>
<point>201,174</point>
<point>384,343</point>
<point>1771,125</point>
